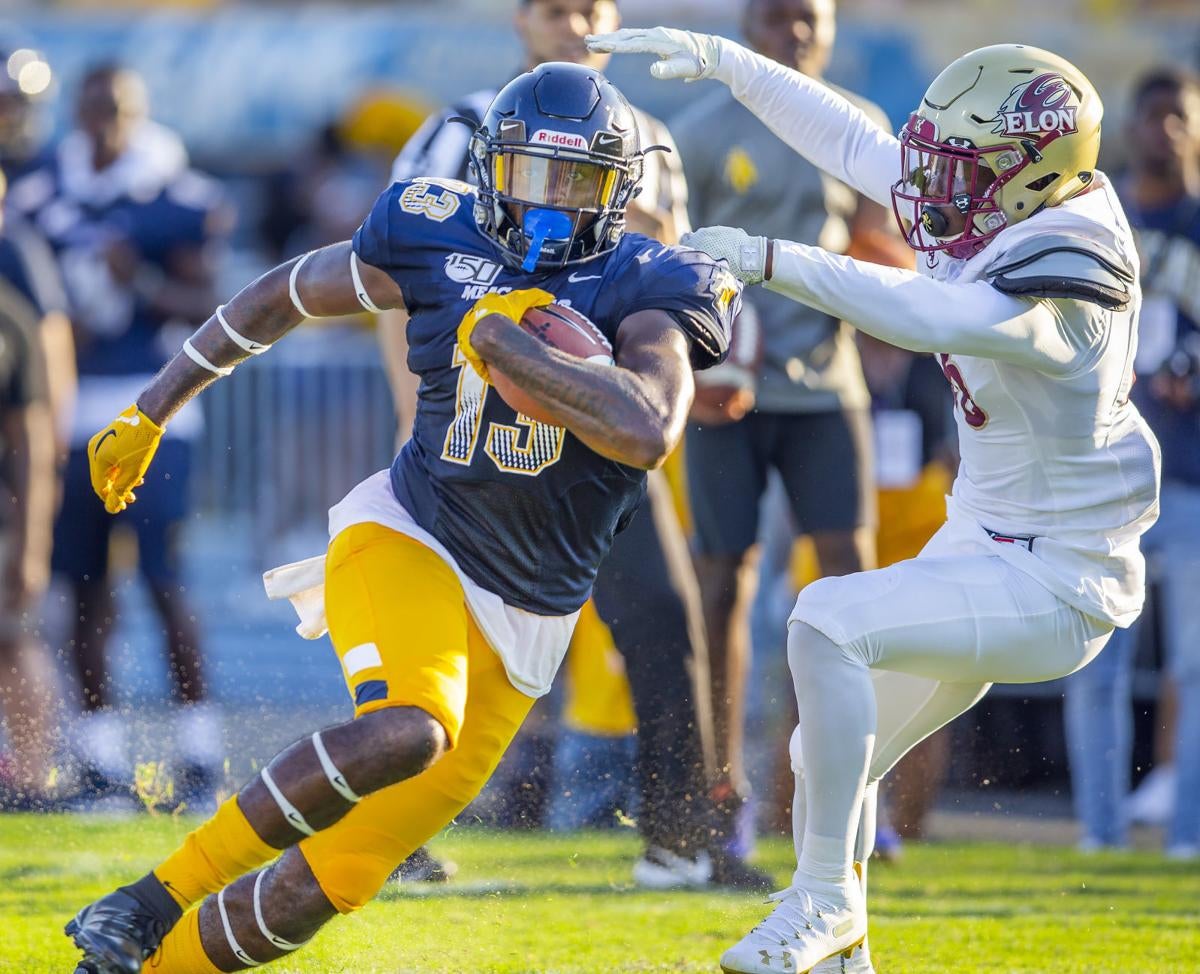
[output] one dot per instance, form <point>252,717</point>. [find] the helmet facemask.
<point>523,183</point>
<point>954,173</point>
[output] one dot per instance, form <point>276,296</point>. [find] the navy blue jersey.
<point>118,331</point>
<point>527,510</point>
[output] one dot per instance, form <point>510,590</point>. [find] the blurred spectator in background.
<point>27,496</point>
<point>1161,194</point>
<point>322,198</point>
<point>916,456</point>
<point>645,592</point>
<point>134,231</point>
<point>811,419</point>
<point>26,260</point>
<point>24,80</point>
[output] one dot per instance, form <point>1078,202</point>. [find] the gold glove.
<point>119,456</point>
<point>512,305</point>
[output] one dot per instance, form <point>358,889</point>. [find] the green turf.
<point>525,903</point>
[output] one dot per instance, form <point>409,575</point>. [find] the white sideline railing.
<point>289,433</point>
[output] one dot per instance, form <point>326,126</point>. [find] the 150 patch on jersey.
<point>471,269</point>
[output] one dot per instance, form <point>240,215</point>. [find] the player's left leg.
<point>399,624</point>
<point>959,621</point>
<point>266,915</point>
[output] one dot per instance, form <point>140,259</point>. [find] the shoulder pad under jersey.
<point>1064,266</point>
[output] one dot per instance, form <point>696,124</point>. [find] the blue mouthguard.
<point>540,226</point>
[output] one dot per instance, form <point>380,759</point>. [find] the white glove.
<point>681,53</point>
<point>745,255</point>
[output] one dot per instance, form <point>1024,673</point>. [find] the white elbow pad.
<point>1064,266</point>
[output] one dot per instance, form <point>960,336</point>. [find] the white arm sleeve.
<point>923,315</point>
<point>816,121</point>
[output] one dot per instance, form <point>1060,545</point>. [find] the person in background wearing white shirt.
<point>1028,293</point>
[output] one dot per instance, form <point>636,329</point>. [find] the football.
<point>565,329</point>
<point>725,393</point>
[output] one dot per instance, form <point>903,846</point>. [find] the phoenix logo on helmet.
<point>1040,105</point>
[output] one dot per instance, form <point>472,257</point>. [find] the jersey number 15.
<point>527,448</point>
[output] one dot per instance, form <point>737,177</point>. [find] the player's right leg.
<point>265,916</point>
<point>399,624</point>
<point>954,624</point>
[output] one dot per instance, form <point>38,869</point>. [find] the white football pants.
<point>882,659</point>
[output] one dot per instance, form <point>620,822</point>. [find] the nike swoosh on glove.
<point>119,455</point>
<point>681,53</point>
<point>745,255</point>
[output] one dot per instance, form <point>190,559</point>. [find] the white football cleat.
<point>660,868</point>
<point>858,963</point>
<point>804,929</point>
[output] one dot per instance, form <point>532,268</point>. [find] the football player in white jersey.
<point>1027,293</point>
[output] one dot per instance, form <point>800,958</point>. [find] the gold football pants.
<point>401,628</point>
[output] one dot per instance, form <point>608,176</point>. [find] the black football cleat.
<point>730,872</point>
<point>424,867</point>
<point>119,931</point>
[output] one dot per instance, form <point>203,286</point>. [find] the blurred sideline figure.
<point>26,260</point>
<point>1161,195</point>
<point>134,232</point>
<point>27,497</point>
<point>645,591</point>
<point>32,289</point>
<point>811,418</point>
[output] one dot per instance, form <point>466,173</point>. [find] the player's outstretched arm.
<point>633,412</point>
<point>327,282</point>
<point>904,308</point>
<point>816,121</point>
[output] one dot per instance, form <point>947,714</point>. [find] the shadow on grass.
<point>415,892</point>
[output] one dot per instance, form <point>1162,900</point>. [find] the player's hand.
<point>681,53</point>
<point>512,305</point>
<point>745,255</point>
<point>119,456</point>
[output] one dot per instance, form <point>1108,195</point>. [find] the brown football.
<point>565,329</point>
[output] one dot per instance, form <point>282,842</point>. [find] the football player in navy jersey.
<point>452,581</point>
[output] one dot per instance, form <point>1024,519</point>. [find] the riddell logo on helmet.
<point>568,140</point>
<point>1040,105</point>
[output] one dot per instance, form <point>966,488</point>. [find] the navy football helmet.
<point>557,157</point>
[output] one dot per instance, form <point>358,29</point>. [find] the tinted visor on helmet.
<point>555,182</point>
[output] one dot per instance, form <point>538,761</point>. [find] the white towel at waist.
<point>303,584</point>
<point>530,646</point>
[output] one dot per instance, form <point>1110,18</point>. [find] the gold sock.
<point>181,951</point>
<point>213,856</point>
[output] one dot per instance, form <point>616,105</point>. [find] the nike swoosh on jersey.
<point>576,279</point>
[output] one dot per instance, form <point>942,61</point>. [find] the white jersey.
<point>1052,448</point>
<point>1065,458</point>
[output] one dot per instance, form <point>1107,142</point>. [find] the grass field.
<point>525,903</point>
